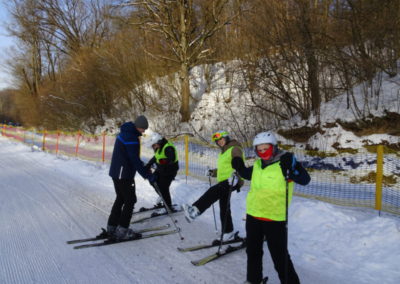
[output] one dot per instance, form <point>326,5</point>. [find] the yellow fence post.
<point>104,147</point>
<point>78,136</point>
<point>44,141</point>
<point>58,141</point>
<point>379,177</point>
<point>186,156</point>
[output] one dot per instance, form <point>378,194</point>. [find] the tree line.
<point>81,62</point>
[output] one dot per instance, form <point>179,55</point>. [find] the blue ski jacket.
<point>125,159</point>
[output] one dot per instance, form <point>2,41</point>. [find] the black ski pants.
<point>274,233</point>
<point>220,192</point>
<point>121,211</point>
<point>164,182</point>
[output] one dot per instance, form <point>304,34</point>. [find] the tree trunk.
<point>313,81</point>
<point>184,73</point>
<point>185,93</point>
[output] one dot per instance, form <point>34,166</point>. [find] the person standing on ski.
<point>167,166</point>
<point>125,162</point>
<point>271,174</point>
<point>230,149</point>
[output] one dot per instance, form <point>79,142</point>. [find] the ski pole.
<point>213,209</point>
<point>169,212</point>
<point>286,226</point>
<point>226,212</point>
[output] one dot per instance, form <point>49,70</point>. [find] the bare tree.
<point>182,27</point>
<point>282,69</point>
<point>51,33</point>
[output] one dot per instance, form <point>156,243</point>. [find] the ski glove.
<point>152,178</point>
<point>237,182</point>
<point>238,185</point>
<point>211,173</point>
<point>288,163</point>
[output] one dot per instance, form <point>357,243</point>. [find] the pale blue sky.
<point>5,43</point>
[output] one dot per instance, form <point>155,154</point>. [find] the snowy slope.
<point>45,201</point>
<point>221,102</point>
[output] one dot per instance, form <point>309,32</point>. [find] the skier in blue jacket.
<point>124,164</point>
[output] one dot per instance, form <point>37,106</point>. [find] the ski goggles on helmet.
<point>218,135</point>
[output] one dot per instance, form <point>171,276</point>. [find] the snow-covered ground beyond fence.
<point>45,201</point>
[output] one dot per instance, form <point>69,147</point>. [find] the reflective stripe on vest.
<point>266,198</point>
<point>159,155</point>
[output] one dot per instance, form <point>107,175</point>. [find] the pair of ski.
<point>103,237</point>
<point>145,209</point>
<point>227,250</point>
<point>155,207</point>
<point>153,214</point>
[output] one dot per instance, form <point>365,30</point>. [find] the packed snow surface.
<point>46,200</point>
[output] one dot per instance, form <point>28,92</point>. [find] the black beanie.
<point>141,122</point>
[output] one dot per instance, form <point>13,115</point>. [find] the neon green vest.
<point>224,165</point>
<point>161,154</point>
<point>266,198</point>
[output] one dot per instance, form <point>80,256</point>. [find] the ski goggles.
<point>217,136</point>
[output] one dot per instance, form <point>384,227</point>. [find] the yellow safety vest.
<point>224,165</point>
<point>267,195</point>
<point>161,154</point>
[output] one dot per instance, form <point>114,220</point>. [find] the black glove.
<point>237,163</point>
<point>147,168</point>
<point>288,163</point>
<point>150,164</point>
<point>212,173</point>
<point>238,185</point>
<point>152,178</point>
<point>235,182</point>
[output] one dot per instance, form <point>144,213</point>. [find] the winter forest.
<point>81,64</point>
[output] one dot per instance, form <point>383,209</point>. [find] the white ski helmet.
<point>155,138</point>
<point>265,138</point>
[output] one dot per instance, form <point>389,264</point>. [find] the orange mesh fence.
<point>359,178</point>
<point>90,147</point>
<point>51,142</point>
<point>16,133</point>
<point>109,146</point>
